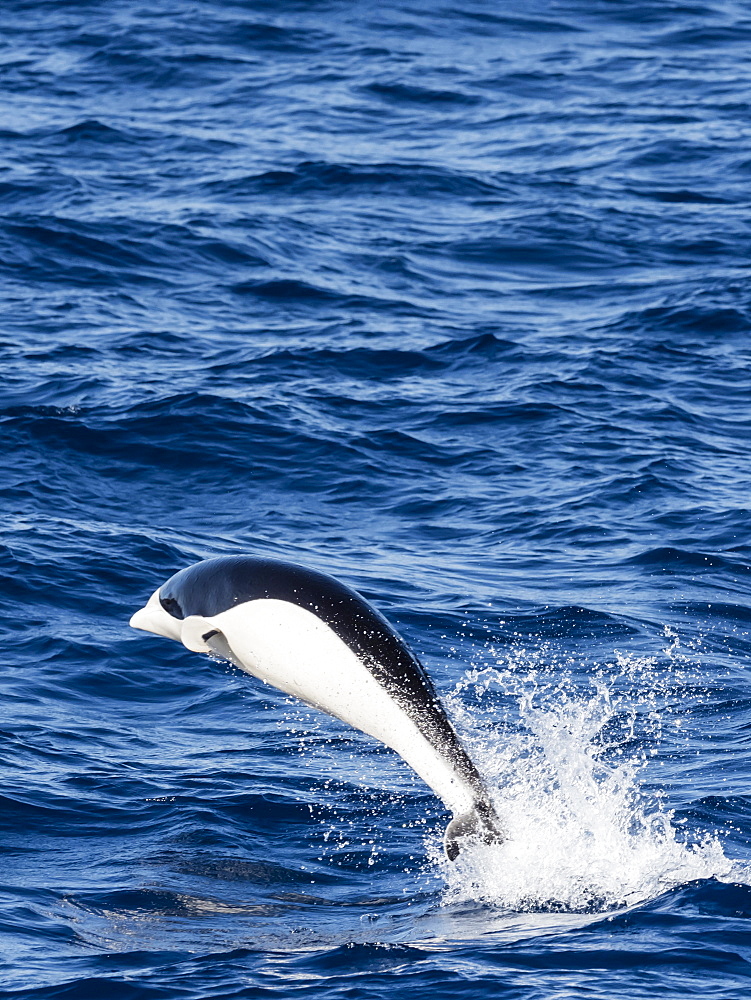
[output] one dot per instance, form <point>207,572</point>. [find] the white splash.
<point>565,764</point>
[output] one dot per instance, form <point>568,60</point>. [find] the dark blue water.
<point>452,302</point>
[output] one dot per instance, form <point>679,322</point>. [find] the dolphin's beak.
<point>153,618</point>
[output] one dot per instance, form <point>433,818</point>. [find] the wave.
<point>332,179</point>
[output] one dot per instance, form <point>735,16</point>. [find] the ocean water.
<point>451,302</point>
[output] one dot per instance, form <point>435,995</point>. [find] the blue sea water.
<point>449,301</point>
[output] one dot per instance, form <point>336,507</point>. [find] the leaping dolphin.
<point>313,637</point>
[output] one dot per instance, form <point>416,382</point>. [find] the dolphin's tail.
<point>481,822</point>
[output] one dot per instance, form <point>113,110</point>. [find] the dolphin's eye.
<point>171,606</point>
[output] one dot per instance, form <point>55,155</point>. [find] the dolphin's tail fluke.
<point>480,823</point>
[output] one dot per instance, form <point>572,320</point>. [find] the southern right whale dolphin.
<point>313,637</point>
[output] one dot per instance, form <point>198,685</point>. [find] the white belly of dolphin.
<point>293,650</point>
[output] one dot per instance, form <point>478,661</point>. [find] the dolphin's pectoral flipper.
<point>313,637</point>
<point>195,633</point>
<point>202,636</point>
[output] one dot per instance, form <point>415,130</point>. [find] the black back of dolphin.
<point>216,585</point>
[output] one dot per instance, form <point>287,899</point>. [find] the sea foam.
<point>566,753</point>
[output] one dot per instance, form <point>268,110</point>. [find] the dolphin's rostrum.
<point>313,637</point>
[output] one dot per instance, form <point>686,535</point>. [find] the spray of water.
<point>565,749</point>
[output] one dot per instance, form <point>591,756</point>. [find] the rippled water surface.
<point>449,301</point>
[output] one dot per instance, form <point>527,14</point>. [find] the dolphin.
<point>313,637</point>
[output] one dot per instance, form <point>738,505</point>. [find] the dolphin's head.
<point>185,606</point>
<point>162,616</point>
<point>153,617</point>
